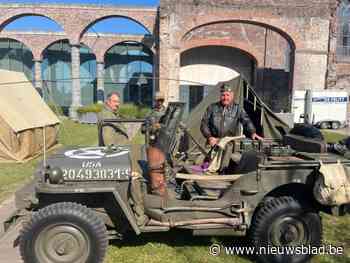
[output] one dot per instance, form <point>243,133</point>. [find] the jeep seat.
<point>205,187</point>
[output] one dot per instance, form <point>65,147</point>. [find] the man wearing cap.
<point>221,118</point>
<point>159,108</point>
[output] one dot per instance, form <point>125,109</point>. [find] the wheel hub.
<point>288,231</point>
<point>62,244</point>
<point>289,235</point>
<point>65,244</point>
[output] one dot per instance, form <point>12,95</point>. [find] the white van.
<point>328,108</point>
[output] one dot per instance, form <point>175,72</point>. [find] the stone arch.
<point>273,48</point>
<point>250,51</point>
<point>129,80</point>
<point>26,43</point>
<point>12,16</point>
<point>25,62</point>
<point>87,45</point>
<point>17,40</point>
<point>289,36</point>
<point>100,45</point>
<point>206,65</point>
<point>86,27</point>
<point>61,38</point>
<point>129,41</point>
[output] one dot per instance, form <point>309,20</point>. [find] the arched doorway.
<point>272,76</point>
<point>203,67</point>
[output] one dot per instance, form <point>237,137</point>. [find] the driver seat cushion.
<point>206,186</point>
<point>211,189</point>
<point>303,144</point>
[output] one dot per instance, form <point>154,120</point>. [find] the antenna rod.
<point>44,145</point>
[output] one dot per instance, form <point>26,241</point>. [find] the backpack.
<point>332,187</point>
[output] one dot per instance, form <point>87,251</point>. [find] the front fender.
<point>118,194</point>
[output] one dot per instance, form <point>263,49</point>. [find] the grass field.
<point>174,246</point>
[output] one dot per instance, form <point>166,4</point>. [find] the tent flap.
<point>20,104</point>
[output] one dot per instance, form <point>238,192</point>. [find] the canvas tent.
<point>23,116</point>
<point>266,122</point>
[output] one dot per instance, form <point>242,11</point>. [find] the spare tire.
<point>307,131</point>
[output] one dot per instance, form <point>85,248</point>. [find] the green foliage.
<point>127,110</point>
<point>90,108</point>
<point>144,111</point>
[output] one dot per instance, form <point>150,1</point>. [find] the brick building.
<point>279,46</point>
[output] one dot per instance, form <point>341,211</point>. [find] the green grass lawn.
<point>175,246</point>
<point>332,136</point>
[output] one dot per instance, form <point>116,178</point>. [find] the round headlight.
<point>55,175</point>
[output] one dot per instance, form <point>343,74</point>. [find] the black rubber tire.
<point>335,125</point>
<point>77,223</point>
<point>307,131</point>
<point>283,213</point>
<point>324,125</point>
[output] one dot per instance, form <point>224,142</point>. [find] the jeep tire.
<point>324,125</point>
<point>64,233</point>
<point>335,125</point>
<point>283,223</point>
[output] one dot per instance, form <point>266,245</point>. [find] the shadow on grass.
<point>182,238</point>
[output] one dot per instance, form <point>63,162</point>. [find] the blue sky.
<point>111,25</point>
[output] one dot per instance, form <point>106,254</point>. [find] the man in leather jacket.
<point>221,118</point>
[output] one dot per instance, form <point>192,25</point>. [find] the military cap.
<point>226,87</point>
<point>159,96</point>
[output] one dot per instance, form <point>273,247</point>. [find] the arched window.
<point>129,70</point>
<point>343,40</point>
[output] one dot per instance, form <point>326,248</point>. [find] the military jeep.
<point>84,197</point>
